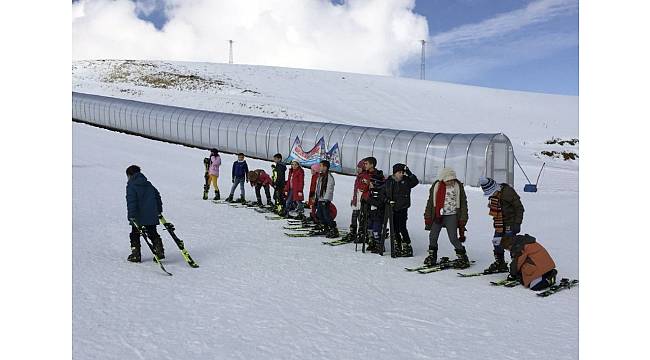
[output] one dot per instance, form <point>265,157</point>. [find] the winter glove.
<point>461,224</point>
<point>461,233</point>
<point>232,181</point>
<point>427,223</point>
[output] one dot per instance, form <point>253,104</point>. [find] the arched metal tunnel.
<point>425,153</point>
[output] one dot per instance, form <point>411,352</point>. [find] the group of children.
<point>376,201</point>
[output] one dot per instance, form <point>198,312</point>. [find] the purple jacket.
<point>215,162</point>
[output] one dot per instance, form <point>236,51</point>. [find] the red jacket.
<point>260,178</point>
<point>295,183</point>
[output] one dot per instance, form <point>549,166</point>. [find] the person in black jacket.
<point>373,200</point>
<point>397,192</point>
<point>144,206</point>
<point>278,176</point>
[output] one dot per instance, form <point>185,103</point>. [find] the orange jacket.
<point>529,259</point>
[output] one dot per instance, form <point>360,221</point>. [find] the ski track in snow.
<point>261,295</point>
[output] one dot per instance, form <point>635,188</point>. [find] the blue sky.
<point>541,56</point>
<point>529,45</point>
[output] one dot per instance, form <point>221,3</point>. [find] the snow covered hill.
<point>261,295</point>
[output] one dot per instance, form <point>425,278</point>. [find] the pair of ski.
<point>312,233</point>
<point>171,230</point>
<point>444,264</point>
<point>504,282</point>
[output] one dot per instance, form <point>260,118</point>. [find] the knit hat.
<point>315,168</point>
<point>488,185</point>
<point>446,174</point>
<point>399,167</point>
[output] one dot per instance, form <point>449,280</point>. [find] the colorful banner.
<point>315,155</point>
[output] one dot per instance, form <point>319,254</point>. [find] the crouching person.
<point>143,205</point>
<point>531,263</point>
<point>260,179</point>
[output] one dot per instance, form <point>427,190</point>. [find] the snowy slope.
<point>528,119</point>
<point>261,295</point>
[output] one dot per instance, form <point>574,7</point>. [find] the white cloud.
<point>471,50</point>
<point>365,36</point>
<point>505,24</point>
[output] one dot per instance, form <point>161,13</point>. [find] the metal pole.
<point>422,75</point>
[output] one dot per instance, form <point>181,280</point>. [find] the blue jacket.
<point>239,169</point>
<point>143,200</point>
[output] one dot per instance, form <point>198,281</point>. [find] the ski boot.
<point>135,255</point>
<point>463,261</point>
<point>432,259</point>
<point>550,277</point>
<point>499,265</point>
<point>158,249</point>
<point>319,230</point>
<point>217,196</point>
<point>407,251</point>
<point>374,245</point>
<point>333,232</point>
<point>241,200</point>
<point>205,192</point>
<point>229,199</point>
<point>259,204</point>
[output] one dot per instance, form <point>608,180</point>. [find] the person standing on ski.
<point>278,175</point>
<point>144,205</point>
<point>258,179</point>
<point>355,203</point>
<point>446,207</point>
<point>507,213</point>
<point>372,182</point>
<point>397,193</point>
<point>239,178</point>
<point>213,172</point>
<point>293,190</point>
<point>324,196</point>
<point>531,264</point>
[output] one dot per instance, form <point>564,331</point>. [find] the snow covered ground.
<point>261,295</point>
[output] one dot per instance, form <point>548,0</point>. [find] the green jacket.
<point>513,209</point>
<point>431,206</point>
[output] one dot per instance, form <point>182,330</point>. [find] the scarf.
<point>494,203</point>
<point>440,201</point>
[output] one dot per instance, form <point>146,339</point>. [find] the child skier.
<point>278,177</point>
<point>293,190</point>
<point>324,196</point>
<point>143,205</point>
<point>213,173</point>
<point>446,207</point>
<point>507,213</point>
<point>258,179</point>
<point>355,203</point>
<point>397,193</point>
<point>239,177</point>
<point>372,201</point>
<point>531,263</point>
